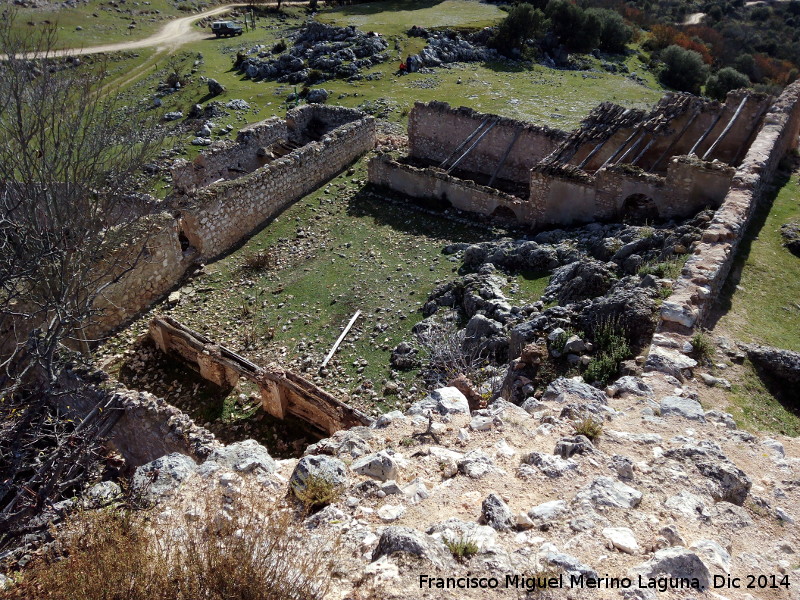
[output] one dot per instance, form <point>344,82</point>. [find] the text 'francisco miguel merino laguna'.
<point>525,582</point>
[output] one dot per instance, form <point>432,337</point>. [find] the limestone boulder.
<point>330,470</point>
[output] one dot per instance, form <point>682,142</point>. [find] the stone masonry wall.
<point>217,161</point>
<point>706,270</point>
<point>436,185</point>
<point>158,269</point>
<point>300,120</point>
<point>435,130</point>
<point>222,215</point>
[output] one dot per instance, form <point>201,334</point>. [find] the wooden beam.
<point>505,156</point>
<point>341,337</point>
<point>727,128</point>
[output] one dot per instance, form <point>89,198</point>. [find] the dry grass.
<point>318,492</point>
<point>246,549</point>
<point>589,427</point>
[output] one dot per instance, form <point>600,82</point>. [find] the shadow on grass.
<point>724,302</point>
<point>401,213</point>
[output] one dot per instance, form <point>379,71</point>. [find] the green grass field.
<point>764,306</point>
<point>100,23</point>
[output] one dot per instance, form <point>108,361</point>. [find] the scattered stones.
<point>173,116</point>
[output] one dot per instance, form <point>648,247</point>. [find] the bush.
<point>259,261</point>
<point>251,549</point>
<point>523,22</point>
<point>318,492</point>
<point>614,34</point>
<point>702,346</point>
<point>462,549</point>
<point>725,80</point>
<point>314,75</point>
<point>577,29</point>
<point>611,349</point>
<point>684,70</point>
<point>589,427</point>
<point>280,46</point>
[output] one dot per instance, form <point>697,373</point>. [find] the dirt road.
<point>173,34</point>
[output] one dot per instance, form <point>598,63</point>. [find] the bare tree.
<point>70,153</point>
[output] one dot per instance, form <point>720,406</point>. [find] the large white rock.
<point>391,512</point>
<point>547,511</point>
<point>381,466</point>
<point>447,400</point>
<point>683,407</point>
<point>622,539</point>
<point>604,491</point>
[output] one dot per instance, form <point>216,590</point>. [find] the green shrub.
<point>462,548</point>
<point>315,75</point>
<point>725,80</point>
<point>684,70</point>
<point>702,346</point>
<point>611,348</point>
<point>614,33</point>
<point>523,22</point>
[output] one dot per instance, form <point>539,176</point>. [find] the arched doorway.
<point>504,213</point>
<point>639,209</point>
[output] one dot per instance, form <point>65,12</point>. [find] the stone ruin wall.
<point>215,163</point>
<point>704,274</point>
<point>282,392</point>
<point>220,216</point>
<point>223,214</point>
<point>437,186</point>
<point>144,427</point>
<point>435,130</point>
<point>158,264</point>
<point>299,120</point>
<point>688,187</point>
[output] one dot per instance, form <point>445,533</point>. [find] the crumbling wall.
<point>317,118</point>
<point>220,216</point>
<point>228,159</point>
<point>693,185</point>
<point>435,130</point>
<point>143,427</point>
<point>147,268</point>
<point>282,392</point>
<point>438,187</point>
<point>706,270</point>
<point>150,427</point>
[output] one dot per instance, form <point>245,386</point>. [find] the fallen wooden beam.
<point>341,338</point>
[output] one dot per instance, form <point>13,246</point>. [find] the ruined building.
<point>620,163</point>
